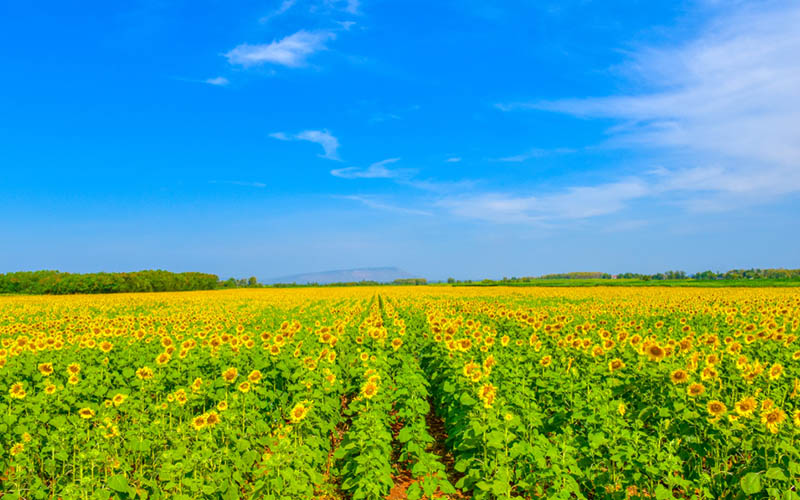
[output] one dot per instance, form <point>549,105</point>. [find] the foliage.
<point>561,393</point>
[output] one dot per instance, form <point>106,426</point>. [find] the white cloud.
<point>220,81</point>
<point>259,185</point>
<point>291,51</point>
<point>722,110</point>
<point>377,170</point>
<point>372,202</point>
<point>282,9</point>
<point>534,153</point>
<point>329,143</point>
<point>352,6</point>
<point>579,202</point>
<point>455,159</point>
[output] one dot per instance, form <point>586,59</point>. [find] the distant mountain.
<point>379,274</point>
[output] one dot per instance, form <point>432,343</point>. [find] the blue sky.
<point>453,138</point>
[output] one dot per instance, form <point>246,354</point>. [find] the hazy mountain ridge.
<point>379,274</point>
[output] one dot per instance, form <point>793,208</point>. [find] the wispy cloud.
<point>329,143</point>
<point>352,6</point>
<point>377,170</point>
<point>259,185</point>
<point>291,51</point>
<point>728,100</point>
<point>282,9</point>
<point>454,159</point>
<point>219,81</point>
<point>373,202</point>
<point>579,202</point>
<point>534,153</point>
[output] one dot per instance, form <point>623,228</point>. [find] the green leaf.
<point>663,493</point>
<point>775,473</point>
<point>405,435</point>
<point>414,492</point>
<point>751,483</point>
<point>467,400</point>
<point>118,483</point>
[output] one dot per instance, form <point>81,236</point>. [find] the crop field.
<point>402,392</point>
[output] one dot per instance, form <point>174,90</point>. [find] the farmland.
<point>406,392</point>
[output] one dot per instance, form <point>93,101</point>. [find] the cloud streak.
<point>282,9</point>
<point>372,202</point>
<point>729,100</point>
<point>579,202</point>
<point>291,51</point>
<point>329,143</point>
<point>219,81</point>
<point>377,170</point>
<point>534,153</point>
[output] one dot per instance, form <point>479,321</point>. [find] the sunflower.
<point>299,412</point>
<point>49,389</point>
<point>244,387</point>
<point>73,369</point>
<point>716,408</point>
<point>695,389</point>
<point>118,399</point>
<point>230,375</point>
<point>775,371</point>
<point>773,419</point>
<point>615,364</point>
<point>73,379</point>
<point>222,405</point>
<point>396,343</point>
<point>197,384</point>
<point>504,340</point>
<point>621,409</point>
<point>487,394</point>
<point>46,369</point>
<point>469,368</point>
<point>86,413</point>
<point>369,390</point>
<point>106,346</point>
<point>212,419</point>
<point>709,373</point>
<point>17,449</point>
<point>163,358</point>
<point>655,352</point>
<point>199,422</point>
<point>796,418</point>
<point>255,376</point>
<point>545,361</point>
<point>746,406</point>
<point>17,391</point>
<point>144,373</point>
<point>679,377</point>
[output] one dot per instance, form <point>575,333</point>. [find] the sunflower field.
<point>402,392</point>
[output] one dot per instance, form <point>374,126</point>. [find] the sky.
<point>463,138</point>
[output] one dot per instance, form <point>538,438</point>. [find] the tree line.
<point>58,283</point>
<point>778,274</point>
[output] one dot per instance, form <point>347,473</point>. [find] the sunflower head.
<point>695,390</point>
<point>679,377</point>
<point>299,412</point>
<point>86,413</point>
<point>199,422</point>
<point>230,375</point>
<point>716,408</point>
